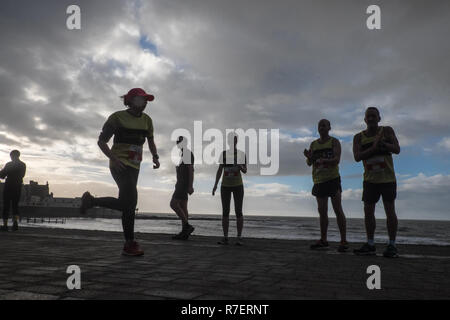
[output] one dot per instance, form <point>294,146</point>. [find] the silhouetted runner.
<point>183,187</point>
<point>130,128</point>
<point>324,155</point>
<point>232,163</point>
<point>14,171</point>
<point>374,146</point>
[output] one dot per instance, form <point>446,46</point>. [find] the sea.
<point>422,232</point>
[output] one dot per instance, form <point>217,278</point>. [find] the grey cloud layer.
<point>297,61</point>
<point>231,64</point>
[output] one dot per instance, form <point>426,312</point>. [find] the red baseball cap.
<point>137,92</point>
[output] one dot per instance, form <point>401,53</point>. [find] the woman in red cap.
<point>130,128</point>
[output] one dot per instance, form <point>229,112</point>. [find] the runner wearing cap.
<point>183,188</point>
<point>130,128</point>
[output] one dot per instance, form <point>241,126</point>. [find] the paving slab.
<point>33,264</point>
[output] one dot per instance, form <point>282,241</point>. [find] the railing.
<point>45,220</point>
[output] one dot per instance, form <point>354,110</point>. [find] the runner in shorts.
<point>183,187</point>
<point>324,155</point>
<point>374,146</point>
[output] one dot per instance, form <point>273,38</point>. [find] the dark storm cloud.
<point>297,60</point>
<point>38,51</point>
<point>318,54</point>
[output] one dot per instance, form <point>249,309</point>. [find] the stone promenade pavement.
<point>34,261</point>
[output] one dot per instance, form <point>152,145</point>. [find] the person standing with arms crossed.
<point>14,171</point>
<point>374,147</point>
<point>324,155</point>
<point>130,128</point>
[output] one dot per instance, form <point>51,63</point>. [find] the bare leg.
<point>322,206</point>
<point>391,219</point>
<point>340,216</point>
<point>238,197</point>
<point>369,219</point>
<point>184,206</point>
<point>225,224</point>
<point>176,206</point>
<point>239,225</point>
<point>225,195</point>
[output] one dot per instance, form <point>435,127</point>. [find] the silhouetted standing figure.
<point>324,155</point>
<point>374,147</point>
<point>130,128</point>
<point>232,163</point>
<point>14,171</point>
<point>183,188</point>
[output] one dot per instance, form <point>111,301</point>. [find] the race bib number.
<point>321,167</point>
<point>376,164</point>
<point>135,154</point>
<point>231,171</point>
<point>325,154</point>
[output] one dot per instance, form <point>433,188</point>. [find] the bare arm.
<point>191,177</point>
<point>337,154</point>
<point>218,175</point>
<point>105,149</point>
<point>393,147</point>
<point>115,162</point>
<point>152,146</point>
<point>243,167</point>
<point>3,172</point>
<point>154,152</point>
<point>308,154</point>
<point>363,155</point>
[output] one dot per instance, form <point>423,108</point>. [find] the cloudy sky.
<point>230,64</point>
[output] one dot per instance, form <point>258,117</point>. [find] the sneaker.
<point>86,202</point>
<point>189,229</point>
<point>224,241</point>
<point>180,236</point>
<point>365,250</point>
<point>390,252</point>
<point>132,249</point>
<point>4,228</point>
<point>319,245</point>
<point>15,226</point>
<point>185,233</point>
<point>343,247</point>
<point>239,242</point>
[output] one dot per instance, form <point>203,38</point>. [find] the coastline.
<point>295,229</point>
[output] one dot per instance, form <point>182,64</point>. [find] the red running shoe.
<point>132,249</point>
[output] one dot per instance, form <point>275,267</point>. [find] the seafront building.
<point>36,200</point>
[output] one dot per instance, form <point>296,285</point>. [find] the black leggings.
<point>238,196</point>
<point>127,201</point>
<point>11,197</point>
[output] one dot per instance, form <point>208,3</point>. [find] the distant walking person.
<point>324,155</point>
<point>374,146</point>
<point>232,163</point>
<point>130,128</point>
<point>14,171</point>
<point>183,187</point>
